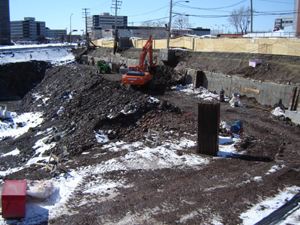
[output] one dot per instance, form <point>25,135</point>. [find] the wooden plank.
<point>208,128</point>
<point>292,103</point>
<point>297,103</point>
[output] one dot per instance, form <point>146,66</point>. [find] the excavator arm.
<point>147,48</point>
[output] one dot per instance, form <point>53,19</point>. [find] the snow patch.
<point>19,124</point>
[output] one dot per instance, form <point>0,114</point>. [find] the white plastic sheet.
<point>40,189</point>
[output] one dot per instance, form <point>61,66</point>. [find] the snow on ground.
<point>56,54</point>
<point>138,156</point>
<point>19,124</point>
<point>269,205</point>
<point>201,93</point>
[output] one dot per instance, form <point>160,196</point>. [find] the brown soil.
<point>274,68</point>
<point>221,189</point>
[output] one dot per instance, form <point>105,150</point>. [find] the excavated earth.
<point>80,101</point>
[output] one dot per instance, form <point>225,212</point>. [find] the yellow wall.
<point>276,46</point>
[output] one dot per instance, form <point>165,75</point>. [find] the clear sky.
<point>212,14</point>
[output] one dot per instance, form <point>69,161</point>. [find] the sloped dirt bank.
<point>16,79</point>
<point>275,68</point>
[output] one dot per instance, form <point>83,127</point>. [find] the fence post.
<point>208,128</point>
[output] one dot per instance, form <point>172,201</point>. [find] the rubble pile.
<point>77,102</point>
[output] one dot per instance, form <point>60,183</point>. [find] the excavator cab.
<point>133,68</point>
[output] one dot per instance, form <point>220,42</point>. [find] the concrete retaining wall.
<point>264,92</point>
<point>112,58</point>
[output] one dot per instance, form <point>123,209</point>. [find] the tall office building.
<point>4,23</point>
<point>104,19</point>
<point>28,29</point>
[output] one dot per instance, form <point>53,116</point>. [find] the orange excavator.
<point>139,74</point>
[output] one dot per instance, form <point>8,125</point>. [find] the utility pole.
<point>85,15</point>
<point>71,29</point>
<point>251,16</point>
<point>116,4</point>
<point>169,26</point>
<point>170,19</point>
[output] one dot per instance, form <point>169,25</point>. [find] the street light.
<point>170,20</point>
<point>70,28</point>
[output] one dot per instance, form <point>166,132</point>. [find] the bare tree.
<point>240,19</point>
<point>159,23</point>
<point>181,22</point>
<point>147,24</point>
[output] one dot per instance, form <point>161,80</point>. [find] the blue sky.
<point>204,13</point>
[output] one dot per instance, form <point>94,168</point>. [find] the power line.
<point>105,2</point>
<point>276,1</point>
<point>211,9</point>
<point>149,12</point>
<point>257,14</point>
<point>226,14</point>
<point>152,20</point>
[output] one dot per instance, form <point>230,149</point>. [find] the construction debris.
<point>255,62</point>
<point>153,138</point>
<point>235,100</point>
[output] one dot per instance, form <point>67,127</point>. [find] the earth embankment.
<point>16,79</point>
<point>274,68</point>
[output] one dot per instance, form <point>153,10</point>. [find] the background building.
<point>144,32</point>
<point>4,23</point>
<point>31,30</point>
<point>27,29</point>
<point>56,35</point>
<point>103,20</point>
<point>129,31</point>
<point>281,23</point>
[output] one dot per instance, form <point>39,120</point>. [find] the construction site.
<point>92,113</point>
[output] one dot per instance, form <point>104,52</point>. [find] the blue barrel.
<point>236,127</point>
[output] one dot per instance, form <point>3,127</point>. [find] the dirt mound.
<point>78,103</point>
